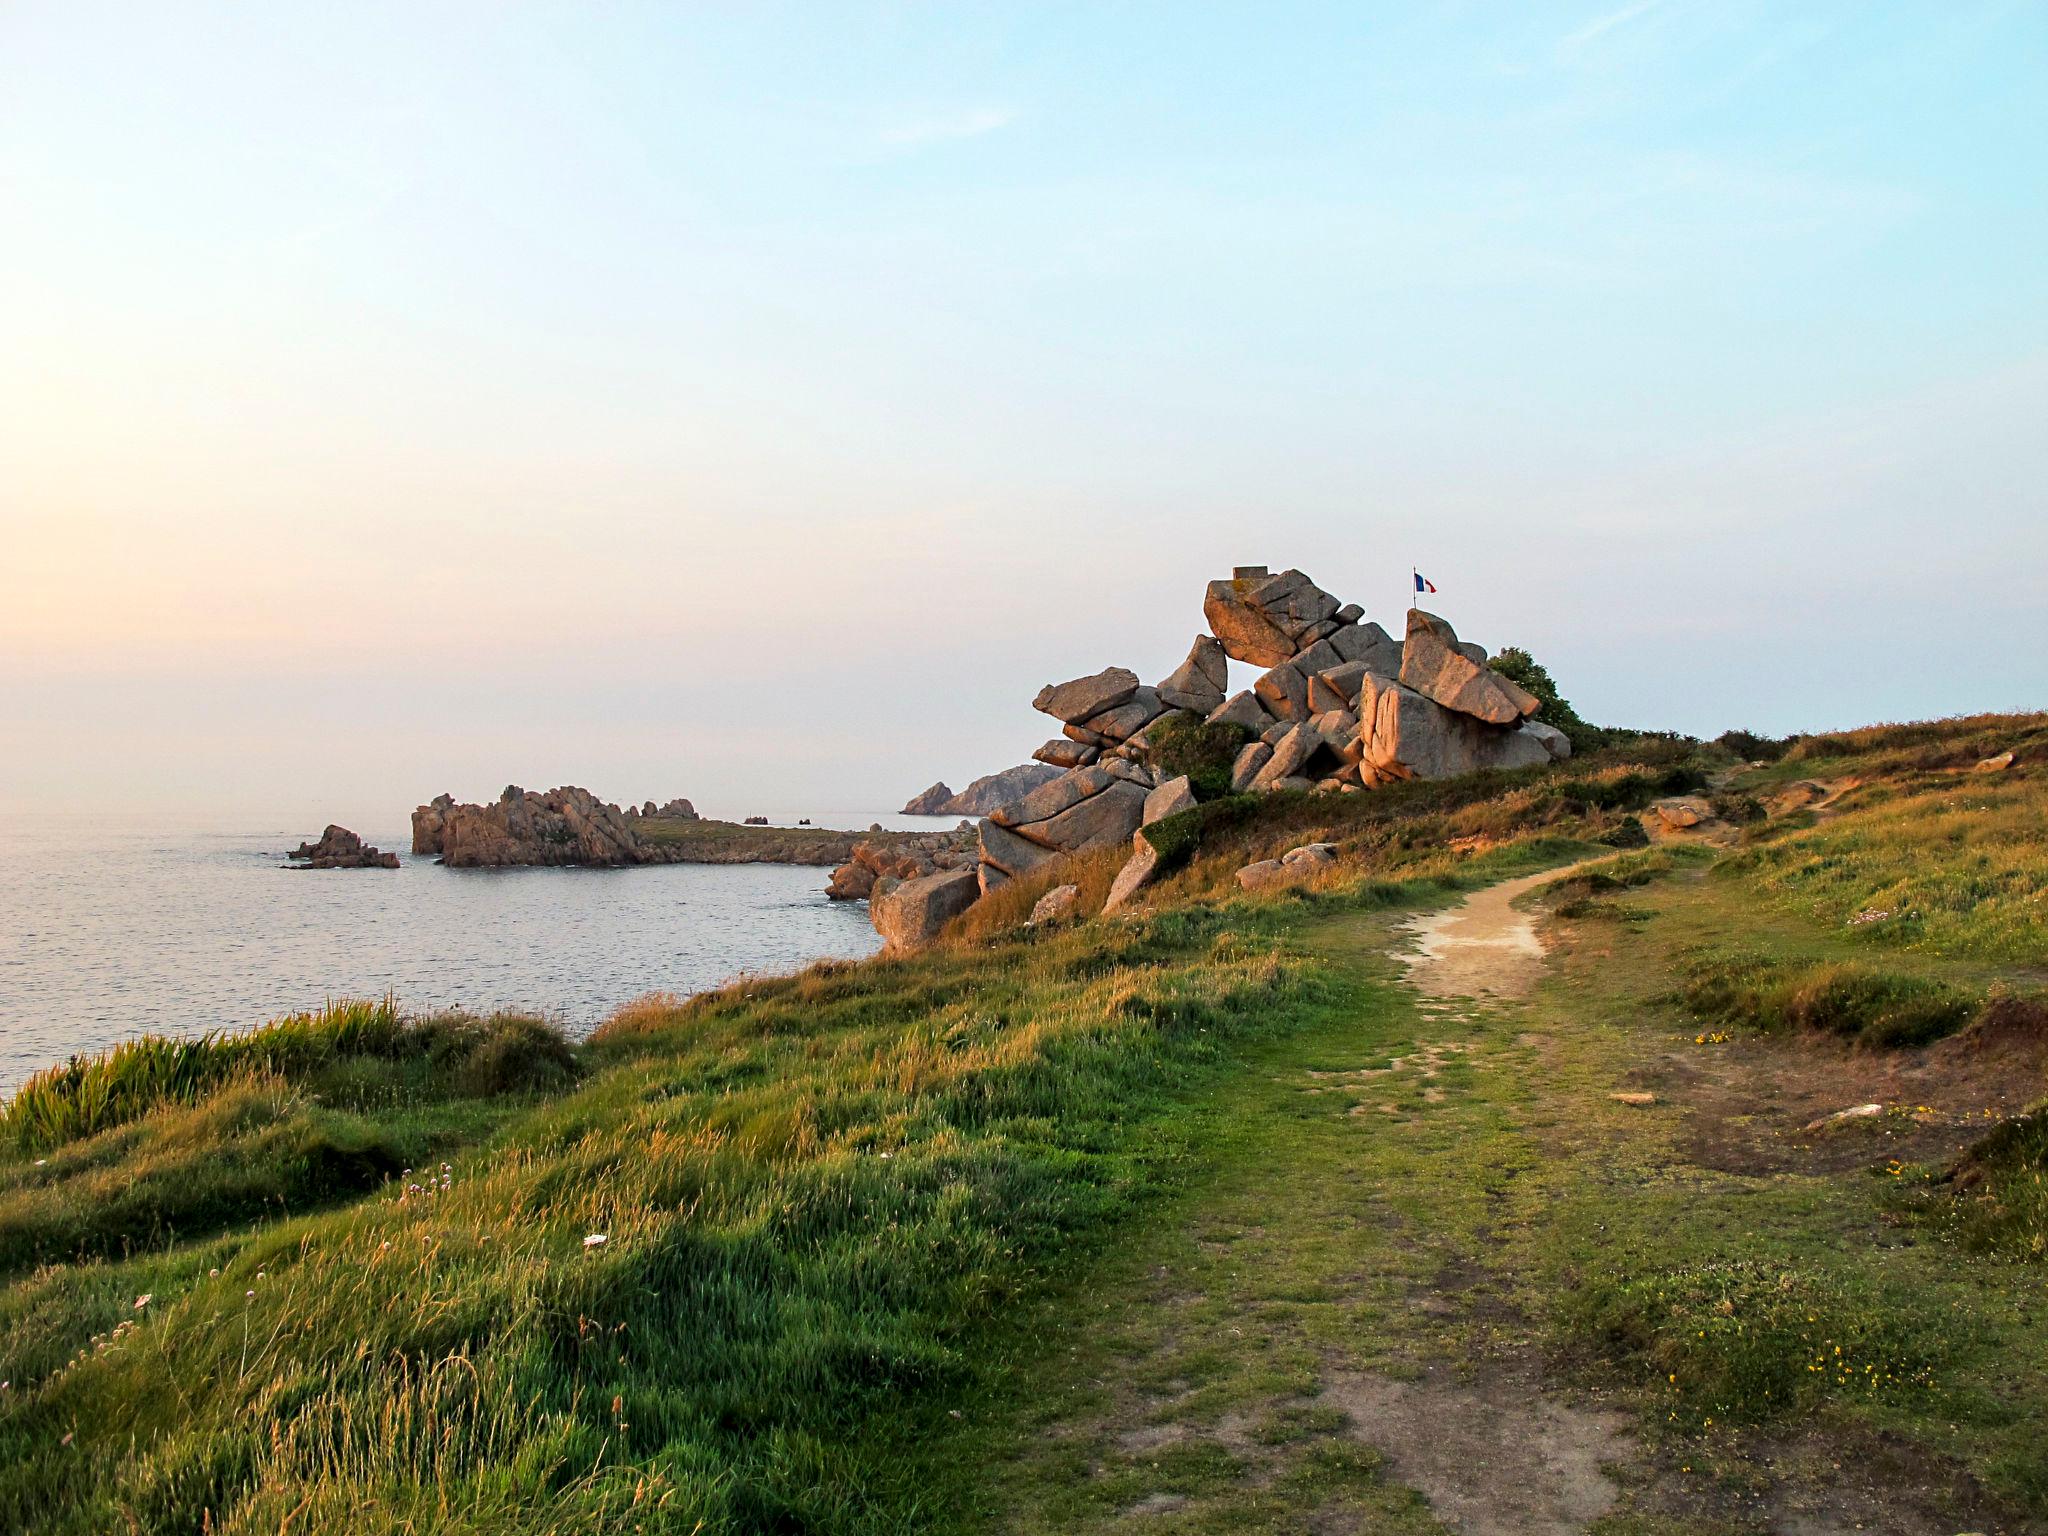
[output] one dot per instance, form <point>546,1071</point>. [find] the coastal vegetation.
<point>1042,1225</point>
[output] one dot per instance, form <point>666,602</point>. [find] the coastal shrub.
<point>1628,833</point>
<point>1753,748</point>
<point>1204,750</point>
<point>1749,1340</point>
<point>1525,671</point>
<point>1858,1002</point>
<point>1631,789</point>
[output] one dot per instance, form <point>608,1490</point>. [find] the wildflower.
<point>144,1300</point>
<point>596,1240</point>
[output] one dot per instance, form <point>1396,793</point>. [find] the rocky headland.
<point>984,795</point>
<point>571,826</point>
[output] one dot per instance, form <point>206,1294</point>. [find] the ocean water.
<point>108,931</point>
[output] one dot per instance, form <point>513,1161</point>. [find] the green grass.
<point>1853,999</point>
<point>1034,1226</point>
<point>363,1051</point>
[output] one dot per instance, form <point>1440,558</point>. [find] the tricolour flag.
<point>1423,583</point>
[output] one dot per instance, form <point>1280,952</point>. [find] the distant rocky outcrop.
<point>932,802</point>
<point>340,848</point>
<point>677,809</point>
<point>984,794</point>
<point>1341,706</point>
<point>567,825</point>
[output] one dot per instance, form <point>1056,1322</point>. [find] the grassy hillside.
<point>804,1254</point>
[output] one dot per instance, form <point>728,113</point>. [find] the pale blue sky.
<point>759,402</point>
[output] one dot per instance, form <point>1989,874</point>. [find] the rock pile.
<point>339,848</point>
<point>1341,706</point>
<point>902,858</point>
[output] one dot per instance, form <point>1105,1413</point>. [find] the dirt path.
<point>1484,946</point>
<point>1345,1327</point>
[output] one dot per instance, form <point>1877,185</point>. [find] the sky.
<point>759,402</point>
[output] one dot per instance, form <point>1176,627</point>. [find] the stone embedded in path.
<point>1434,665</point>
<point>1078,699</point>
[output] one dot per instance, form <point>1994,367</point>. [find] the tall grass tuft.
<point>90,1094</point>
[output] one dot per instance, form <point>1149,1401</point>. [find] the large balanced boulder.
<point>1244,629</point>
<point>1436,666</point>
<point>1077,700</point>
<point>907,913</point>
<point>1414,737</point>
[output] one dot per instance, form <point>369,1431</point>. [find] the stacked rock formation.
<point>1341,706</point>
<point>339,848</point>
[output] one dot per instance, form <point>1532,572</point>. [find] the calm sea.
<point>111,931</point>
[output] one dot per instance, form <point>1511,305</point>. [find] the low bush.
<point>1745,1340</point>
<point>1857,1002</point>
<point>1752,748</point>
<point>1203,750</point>
<point>1629,834</point>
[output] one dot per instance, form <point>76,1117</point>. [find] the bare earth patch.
<point>1493,1454</point>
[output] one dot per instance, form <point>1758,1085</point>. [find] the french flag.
<point>1423,583</point>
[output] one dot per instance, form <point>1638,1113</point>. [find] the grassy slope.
<point>835,1209</point>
